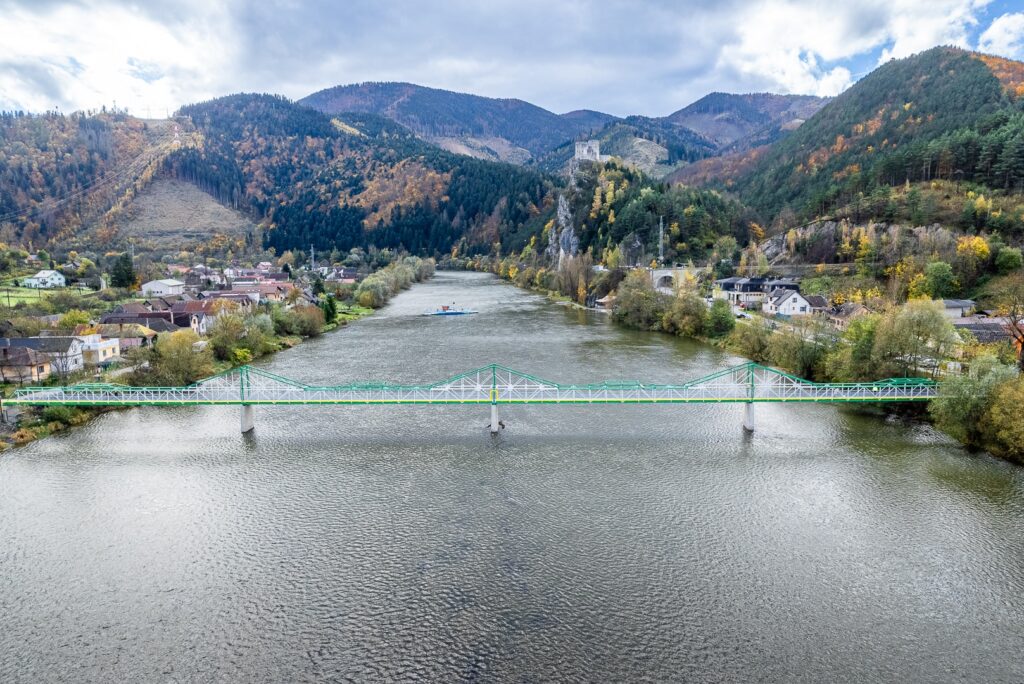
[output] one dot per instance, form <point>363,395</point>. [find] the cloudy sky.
<point>619,56</point>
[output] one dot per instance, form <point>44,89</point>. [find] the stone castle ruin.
<point>588,150</point>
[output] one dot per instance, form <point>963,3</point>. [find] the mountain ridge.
<point>508,129</point>
<point>436,114</point>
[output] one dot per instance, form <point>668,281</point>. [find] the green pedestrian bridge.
<point>494,385</point>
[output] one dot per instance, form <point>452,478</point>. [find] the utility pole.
<point>661,240</point>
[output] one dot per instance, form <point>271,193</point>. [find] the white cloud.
<point>1004,37</point>
<point>794,45</point>
<point>915,26</point>
<point>77,57</point>
<point>622,56</point>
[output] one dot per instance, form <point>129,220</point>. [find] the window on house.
<point>803,309</point>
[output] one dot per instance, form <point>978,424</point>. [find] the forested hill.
<point>942,114</point>
<point>61,173</point>
<point>354,180</point>
<point>447,117</point>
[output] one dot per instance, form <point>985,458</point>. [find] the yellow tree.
<point>972,251</point>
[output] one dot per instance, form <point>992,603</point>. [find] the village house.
<point>958,308</point>
<point>842,315</point>
<point>134,312</point>
<point>22,364</point>
<point>246,300</point>
<point>243,283</point>
<point>202,277</point>
<point>275,277</point>
<point>198,315</point>
<point>129,308</point>
<point>235,272</point>
<point>157,321</point>
<point>65,353</point>
<point>163,288</point>
<point>44,280</point>
<point>128,335</point>
<point>745,292</point>
<point>267,292</point>
<point>344,276</point>
<point>166,303</point>
<point>819,303</point>
<point>783,302</point>
<point>98,350</point>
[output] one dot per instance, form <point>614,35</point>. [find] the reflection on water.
<point>585,543</point>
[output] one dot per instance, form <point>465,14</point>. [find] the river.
<point>655,543</point>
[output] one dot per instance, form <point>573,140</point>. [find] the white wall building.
<point>98,350</point>
<point>786,303</point>
<point>44,280</point>
<point>958,308</point>
<point>163,288</point>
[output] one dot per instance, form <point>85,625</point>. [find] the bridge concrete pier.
<point>495,423</point>
<point>248,418</point>
<point>748,416</point>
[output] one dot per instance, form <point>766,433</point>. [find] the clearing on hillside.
<point>171,213</point>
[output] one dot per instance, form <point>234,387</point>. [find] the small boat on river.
<point>446,310</point>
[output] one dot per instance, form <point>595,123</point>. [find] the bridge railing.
<point>492,384</point>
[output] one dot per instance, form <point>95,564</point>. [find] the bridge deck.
<point>493,384</point>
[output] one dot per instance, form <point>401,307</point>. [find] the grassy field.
<point>10,295</point>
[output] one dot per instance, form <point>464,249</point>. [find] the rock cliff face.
<point>562,240</point>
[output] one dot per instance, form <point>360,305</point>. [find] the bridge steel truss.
<point>246,386</point>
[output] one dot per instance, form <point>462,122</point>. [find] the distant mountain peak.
<point>499,128</point>
<point>745,115</point>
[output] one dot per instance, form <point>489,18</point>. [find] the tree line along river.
<point>585,543</point>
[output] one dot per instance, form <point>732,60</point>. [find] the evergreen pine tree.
<point>122,274</point>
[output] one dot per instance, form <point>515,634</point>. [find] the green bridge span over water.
<point>247,386</point>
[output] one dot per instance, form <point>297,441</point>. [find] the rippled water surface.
<point>585,544</point>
